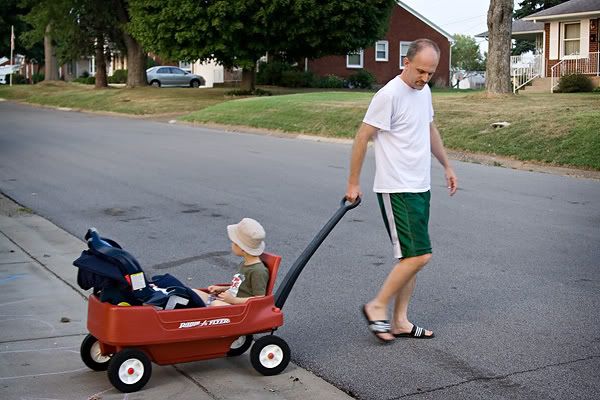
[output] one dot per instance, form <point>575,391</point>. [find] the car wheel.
<point>239,346</point>
<point>129,370</point>
<point>270,355</point>
<point>195,83</point>
<point>155,84</point>
<point>91,356</point>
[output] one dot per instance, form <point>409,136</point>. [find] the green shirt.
<point>250,280</point>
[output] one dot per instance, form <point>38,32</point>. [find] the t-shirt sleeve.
<point>431,112</point>
<point>379,113</point>
<point>259,281</point>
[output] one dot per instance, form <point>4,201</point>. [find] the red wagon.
<point>116,342</point>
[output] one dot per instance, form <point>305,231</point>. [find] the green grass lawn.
<point>559,129</point>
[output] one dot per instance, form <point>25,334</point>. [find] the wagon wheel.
<point>91,354</point>
<point>129,370</point>
<point>270,355</point>
<point>240,345</point>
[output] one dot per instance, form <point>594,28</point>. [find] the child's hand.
<point>227,297</point>
<point>213,289</point>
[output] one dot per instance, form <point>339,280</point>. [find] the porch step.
<point>538,85</point>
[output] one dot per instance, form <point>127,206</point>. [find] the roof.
<point>425,20</point>
<point>520,27</point>
<point>567,9</point>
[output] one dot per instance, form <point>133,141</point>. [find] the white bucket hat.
<point>249,235</point>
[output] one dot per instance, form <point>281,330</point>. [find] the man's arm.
<point>437,149</point>
<point>359,149</point>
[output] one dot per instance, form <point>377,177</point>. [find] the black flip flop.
<point>416,333</point>
<point>379,326</point>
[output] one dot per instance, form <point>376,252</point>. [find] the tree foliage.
<point>11,14</point>
<point>466,55</point>
<point>237,33</point>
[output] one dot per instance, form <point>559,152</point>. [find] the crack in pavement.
<point>494,378</point>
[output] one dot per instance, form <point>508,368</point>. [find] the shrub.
<point>575,83</point>
<point>17,79</point>
<point>297,79</point>
<point>596,90</point>
<point>118,76</point>
<point>89,80</point>
<point>255,92</point>
<point>85,74</point>
<point>36,78</point>
<point>362,79</point>
<point>330,82</point>
<point>271,73</point>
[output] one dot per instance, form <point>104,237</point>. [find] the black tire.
<point>129,370</point>
<point>240,346</point>
<point>155,83</point>
<point>195,83</point>
<point>270,355</point>
<point>90,354</point>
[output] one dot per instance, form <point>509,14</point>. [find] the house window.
<point>571,36</point>
<point>354,60</point>
<point>403,50</point>
<point>381,50</point>
<point>92,66</point>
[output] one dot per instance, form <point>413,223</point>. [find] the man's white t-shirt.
<point>402,144</point>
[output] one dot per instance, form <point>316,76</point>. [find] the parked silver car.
<point>172,76</point>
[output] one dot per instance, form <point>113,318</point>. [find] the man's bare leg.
<point>395,284</point>
<point>400,323</point>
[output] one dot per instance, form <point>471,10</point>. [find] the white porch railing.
<point>524,69</point>
<point>568,66</point>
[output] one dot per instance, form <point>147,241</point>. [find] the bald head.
<point>419,45</point>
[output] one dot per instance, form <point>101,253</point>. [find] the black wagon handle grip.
<point>351,205</point>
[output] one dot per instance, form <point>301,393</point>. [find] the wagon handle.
<point>288,282</point>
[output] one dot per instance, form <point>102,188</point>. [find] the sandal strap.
<point>381,326</point>
<point>417,331</point>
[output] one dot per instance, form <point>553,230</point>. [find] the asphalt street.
<point>512,291</point>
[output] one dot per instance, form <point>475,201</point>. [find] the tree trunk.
<point>50,66</point>
<point>499,21</point>
<point>101,77</point>
<point>248,79</point>
<point>136,56</point>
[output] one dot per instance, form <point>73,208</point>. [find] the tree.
<point>237,33</point>
<point>136,54</point>
<point>499,21</point>
<point>11,14</point>
<point>466,55</point>
<point>528,7</point>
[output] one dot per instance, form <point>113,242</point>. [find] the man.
<point>400,121</point>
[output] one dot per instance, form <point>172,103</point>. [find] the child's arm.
<point>230,299</point>
<point>217,288</point>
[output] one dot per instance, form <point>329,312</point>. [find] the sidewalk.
<point>43,321</point>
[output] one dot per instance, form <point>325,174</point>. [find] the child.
<point>247,241</point>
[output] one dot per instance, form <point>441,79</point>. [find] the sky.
<point>467,17</point>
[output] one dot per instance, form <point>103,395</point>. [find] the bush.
<point>17,79</point>
<point>118,76</point>
<point>330,82</point>
<point>362,79</point>
<point>271,73</point>
<point>85,74</point>
<point>89,80</point>
<point>596,90</point>
<point>297,79</point>
<point>255,92</point>
<point>575,83</point>
<point>36,78</point>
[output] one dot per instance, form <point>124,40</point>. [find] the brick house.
<point>385,58</point>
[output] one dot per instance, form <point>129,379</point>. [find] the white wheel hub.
<point>131,371</point>
<point>271,356</point>
<point>239,342</point>
<point>96,354</point>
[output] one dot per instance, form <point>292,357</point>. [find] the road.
<point>512,291</point>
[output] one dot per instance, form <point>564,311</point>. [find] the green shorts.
<point>406,218</point>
